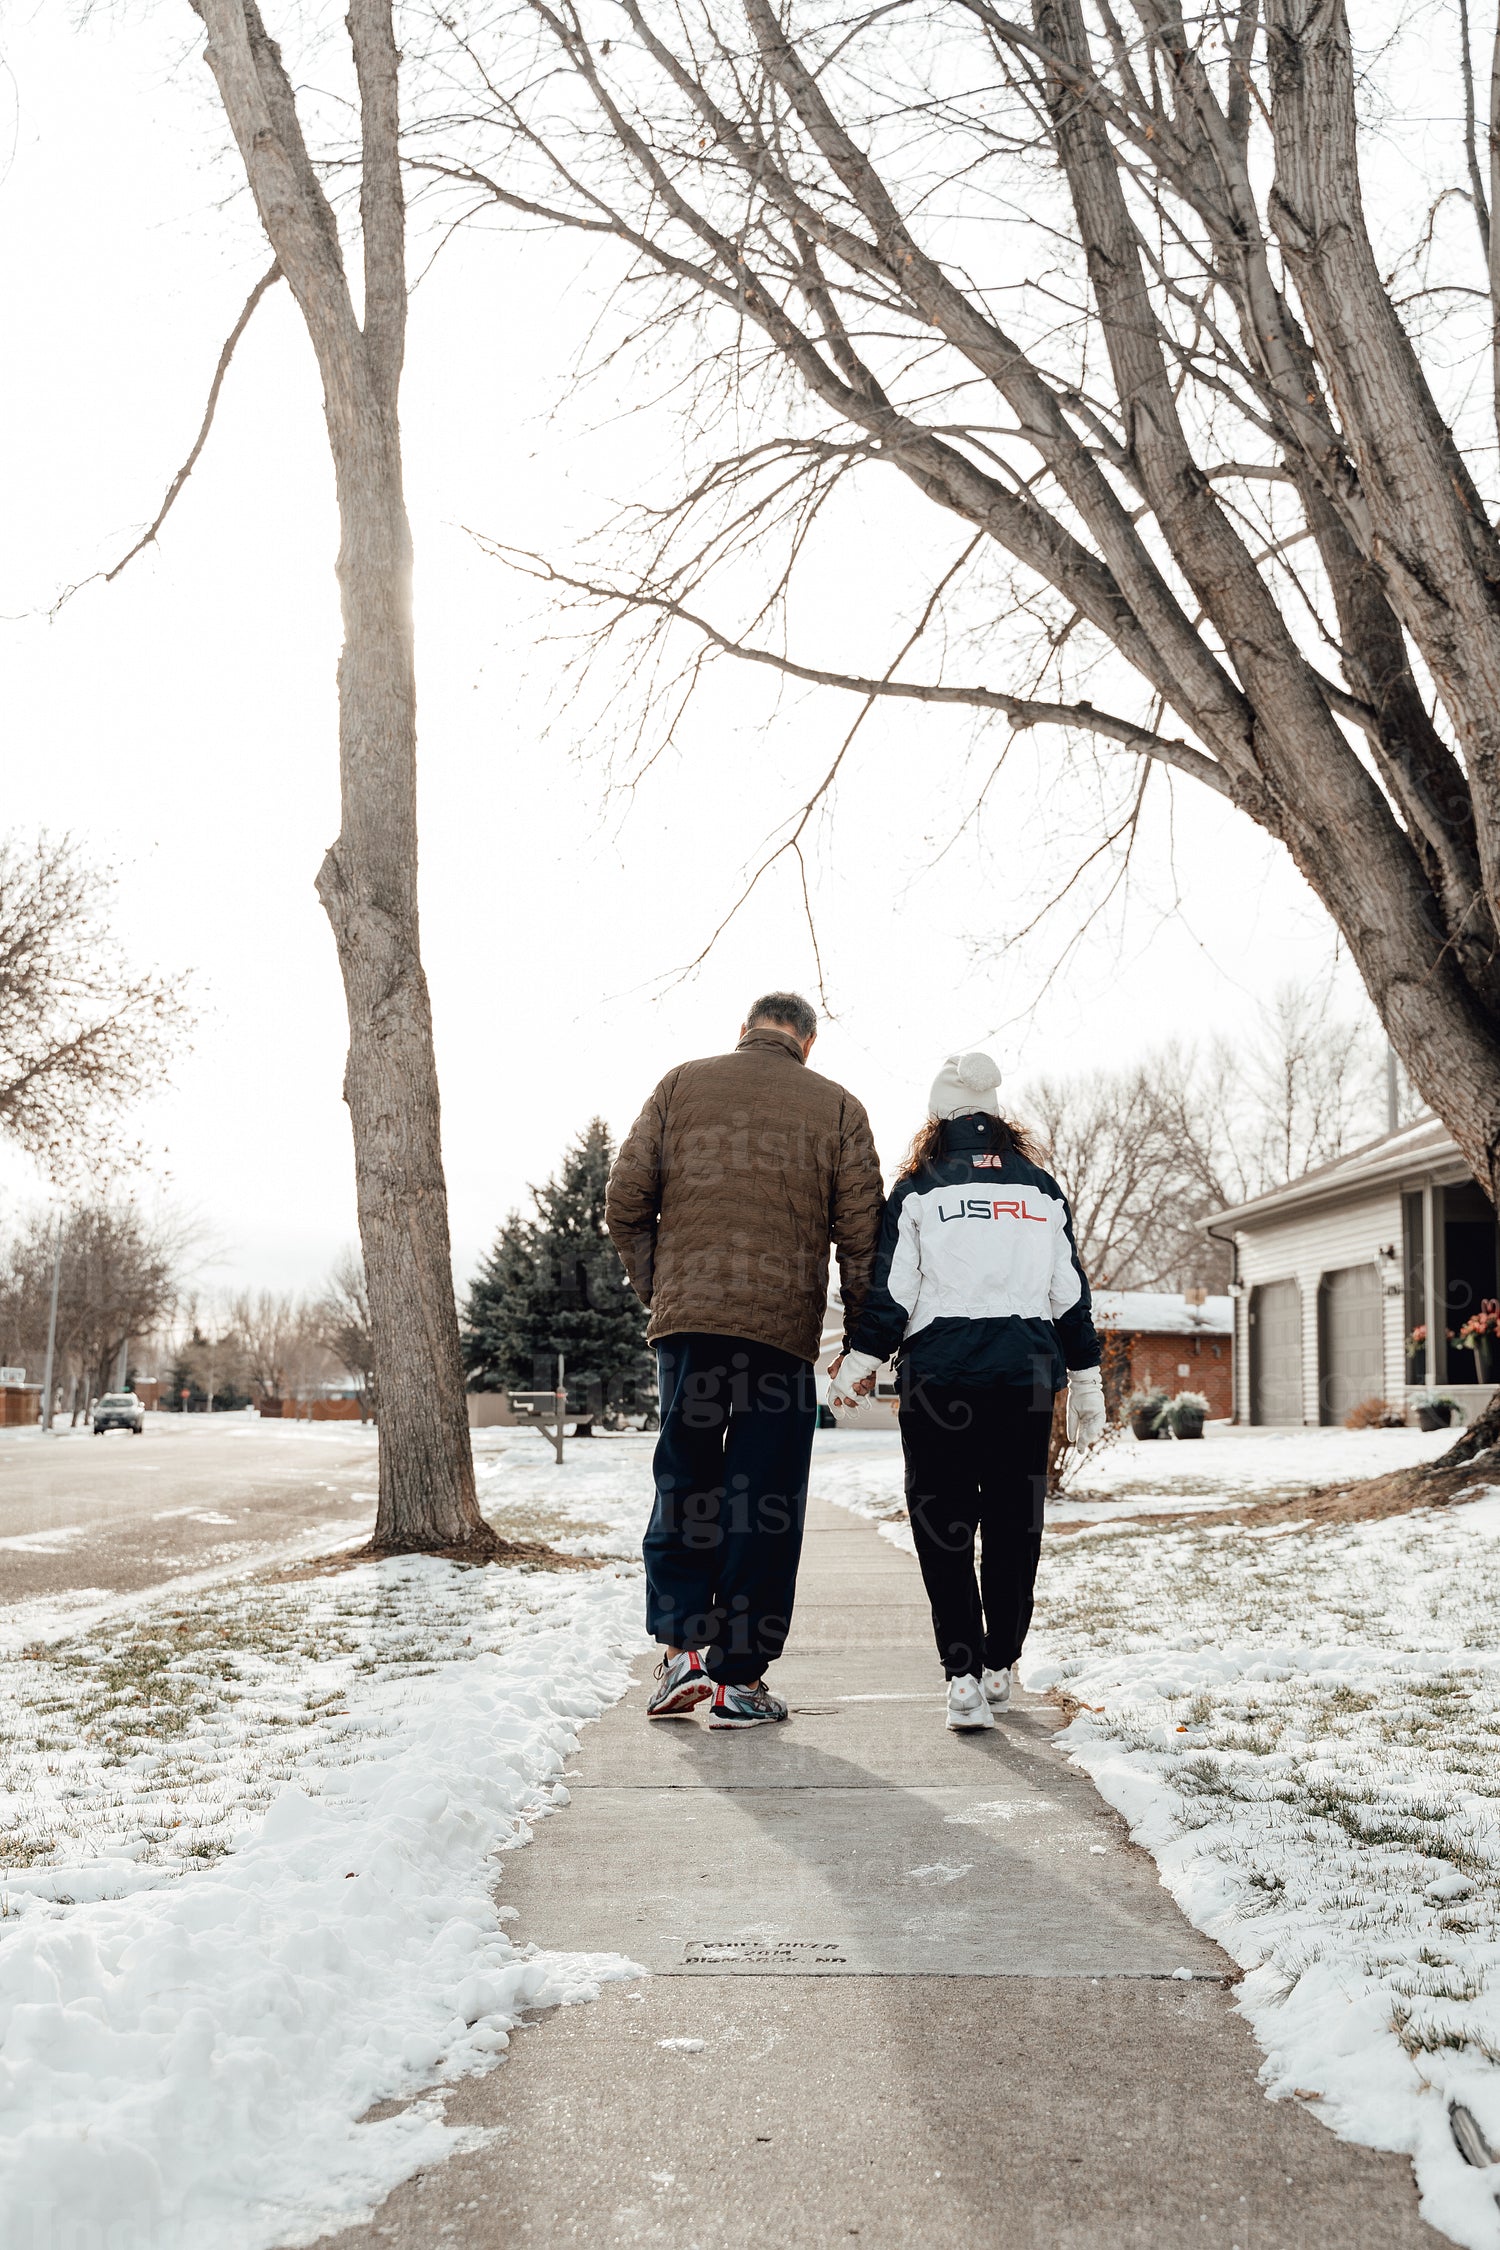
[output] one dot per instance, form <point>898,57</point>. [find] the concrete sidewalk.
<point>938,1994</point>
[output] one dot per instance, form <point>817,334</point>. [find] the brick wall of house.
<point>1184,1363</point>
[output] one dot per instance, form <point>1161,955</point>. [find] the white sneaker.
<point>966,1704</point>
<point>996,1687</point>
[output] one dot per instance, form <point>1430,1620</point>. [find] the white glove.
<point>1085,1405</point>
<point>853,1368</point>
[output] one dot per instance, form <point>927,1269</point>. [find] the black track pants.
<point>725,1537</point>
<point>977,1459</point>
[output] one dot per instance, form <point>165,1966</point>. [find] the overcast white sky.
<point>182,720</point>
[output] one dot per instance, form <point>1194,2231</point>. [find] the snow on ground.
<point>249,1830</point>
<point>1124,1477</point>
<point>860,1470</point>
<point>247,1867</point>
<point>1167,1476</point>
<point>1303,1726</point>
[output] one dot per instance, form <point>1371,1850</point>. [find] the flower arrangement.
<point>1480,1334</point>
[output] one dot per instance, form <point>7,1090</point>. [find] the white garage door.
<point>1353,1366</point>
<point>1276,1352</point>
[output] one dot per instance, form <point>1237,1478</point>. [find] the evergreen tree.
<point>554,1283</point>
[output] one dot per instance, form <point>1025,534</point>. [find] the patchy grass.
<point>158,1737</point>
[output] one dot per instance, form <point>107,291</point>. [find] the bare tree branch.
<point>1023,711</point>
<point>1220,453</point>
<point>148,537</point>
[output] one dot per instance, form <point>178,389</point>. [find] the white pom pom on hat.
<point>966,1083</point>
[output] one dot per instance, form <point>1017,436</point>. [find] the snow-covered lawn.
<point>1125,1477</point>
<point>249,1831</point>
<point>1303,1726</point>
<point>861,1470</point>
<point>247,1867</point>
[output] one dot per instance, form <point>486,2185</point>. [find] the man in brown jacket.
<point>723,1200</point>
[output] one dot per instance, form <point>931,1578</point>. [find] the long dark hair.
<point>930,1141</point>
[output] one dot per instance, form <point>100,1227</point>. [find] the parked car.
<point>119,1410</point>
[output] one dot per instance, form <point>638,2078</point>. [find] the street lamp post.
<point>52,1335</point>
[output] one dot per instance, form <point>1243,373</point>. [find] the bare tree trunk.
<point>1492,242</point>
<point>368,881</point>
<point>368,886</point>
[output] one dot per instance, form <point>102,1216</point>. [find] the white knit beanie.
<point>965,1083</point>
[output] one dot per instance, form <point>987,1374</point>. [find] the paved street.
<point>81,1515</point>
<point>908,1987</point>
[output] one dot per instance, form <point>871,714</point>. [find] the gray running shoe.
<point>684,1685</point>
<point>968,1706</point>
<point>745,1707</point>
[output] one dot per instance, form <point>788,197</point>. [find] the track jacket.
<point>976,1278</point>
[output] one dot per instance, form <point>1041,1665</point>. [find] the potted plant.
<point>1433,1410</point>
<point>1480,1334</point>
<point>1146,1412</point>
<point>1187,1414</point>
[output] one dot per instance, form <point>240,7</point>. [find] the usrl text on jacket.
<point>977,1279</point>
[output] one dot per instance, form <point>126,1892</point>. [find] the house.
<point>1176,1343</point>
<point>1340,1277</point>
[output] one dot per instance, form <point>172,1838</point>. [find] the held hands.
<point>1085,1405</point>
<point>856,1381</point>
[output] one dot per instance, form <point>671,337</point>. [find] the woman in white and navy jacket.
<point>978,1288</point>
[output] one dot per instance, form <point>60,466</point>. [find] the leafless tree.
<point>269,1326</point>
<point>81,1034</point>
<point>1146,1153</point>
<point>214,1355</point>
<point>1117,1149</point>
<point>1101,290</point>
<point>342,1316</point>
<point>1302,1088</point>
<point>309,1361</point>
<point>368,880</point>
<point>120,1278</point>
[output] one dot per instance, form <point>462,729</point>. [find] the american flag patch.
<point>989,1163</point>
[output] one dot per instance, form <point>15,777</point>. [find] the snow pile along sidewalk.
<point>1303,1727</point>
<point>187,2063</point>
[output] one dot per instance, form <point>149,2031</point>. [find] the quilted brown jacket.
<point>731,1184</point>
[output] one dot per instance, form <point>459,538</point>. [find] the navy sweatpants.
<point>725,1536</point>
<point>976,1460</point>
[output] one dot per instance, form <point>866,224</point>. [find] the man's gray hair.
<point>788,1009</point>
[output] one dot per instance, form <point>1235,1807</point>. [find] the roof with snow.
<point>1155,1312</point>
<point>1423,1149</point>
